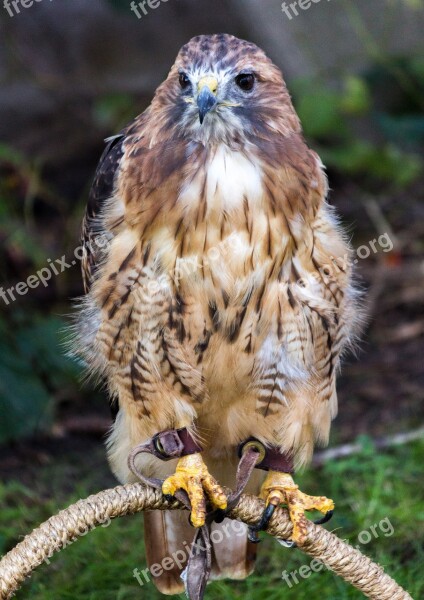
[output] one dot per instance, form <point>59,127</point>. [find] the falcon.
<point>219,294</point>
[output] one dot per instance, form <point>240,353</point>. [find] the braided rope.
<point>73,522</point>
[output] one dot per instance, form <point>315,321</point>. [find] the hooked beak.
<point>206,98</point>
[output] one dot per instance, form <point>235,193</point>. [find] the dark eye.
<point>245,81</point>
<point>184,81</point>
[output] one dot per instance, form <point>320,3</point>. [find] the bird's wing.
<point>298,362</point>
<point>92,235</point>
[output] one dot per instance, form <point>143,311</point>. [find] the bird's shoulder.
<point>101,190</point>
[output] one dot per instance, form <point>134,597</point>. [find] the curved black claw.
<point>219,515</point>
<point>325,518</point>
<point>169,497</point>
<point>266,517</point>
<point>321,521</point>
<point>252,533</point>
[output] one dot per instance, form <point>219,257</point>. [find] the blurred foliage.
<point>114,111</point>
<point>27,206</point>
<point>17,184</point>
<point>373,128</point>
<point>369,130</point>
<point>369,490</point>
<point>33,372</point>
<point>120,5</point>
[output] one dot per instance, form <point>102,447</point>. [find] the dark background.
<point>74,72</point>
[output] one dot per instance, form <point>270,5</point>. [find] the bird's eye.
<point>245,81</point>
<point>184,81</point>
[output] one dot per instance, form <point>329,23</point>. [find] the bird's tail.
<point>168,537</point>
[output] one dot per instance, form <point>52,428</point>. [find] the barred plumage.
<point>221,302</point>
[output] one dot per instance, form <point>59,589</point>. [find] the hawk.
<point>219,293</point>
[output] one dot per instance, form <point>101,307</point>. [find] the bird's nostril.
<point>206,100</point>
<point>210,82</point>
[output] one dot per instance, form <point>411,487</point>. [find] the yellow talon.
<point>279,488</point>
<point>192,475</point>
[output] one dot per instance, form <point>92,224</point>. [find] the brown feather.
<point>217,304</point>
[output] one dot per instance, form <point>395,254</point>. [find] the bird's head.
<point>222,88</point>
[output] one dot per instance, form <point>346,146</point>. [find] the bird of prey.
<point>220,298</point>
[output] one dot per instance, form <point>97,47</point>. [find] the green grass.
<point>377,489</point>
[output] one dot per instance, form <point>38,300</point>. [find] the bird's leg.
<point>192,475</point>
<point>279,488</point>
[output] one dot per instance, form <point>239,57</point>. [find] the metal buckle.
<point>256,445</point>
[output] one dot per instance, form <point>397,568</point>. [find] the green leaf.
<point>350,158</point>
<point>114,110</point>
<point>388,163</point>
<point>11,155</point>
<point>34,366</point>
<point>356,99</point>
<point>121,5</point>
<point>406,130</point>
<point>319,113</point>
<point>25,405</point>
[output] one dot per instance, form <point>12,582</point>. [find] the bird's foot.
<point>192,475</point>
<point>279,488</point>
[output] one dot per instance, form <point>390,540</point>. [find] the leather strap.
<point>198,569</point>
<point>271,457</point>
<point>169,444</point>
<point>166,445</point>
<point>174,444</point>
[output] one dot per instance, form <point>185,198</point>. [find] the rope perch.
<point>73,522</point>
